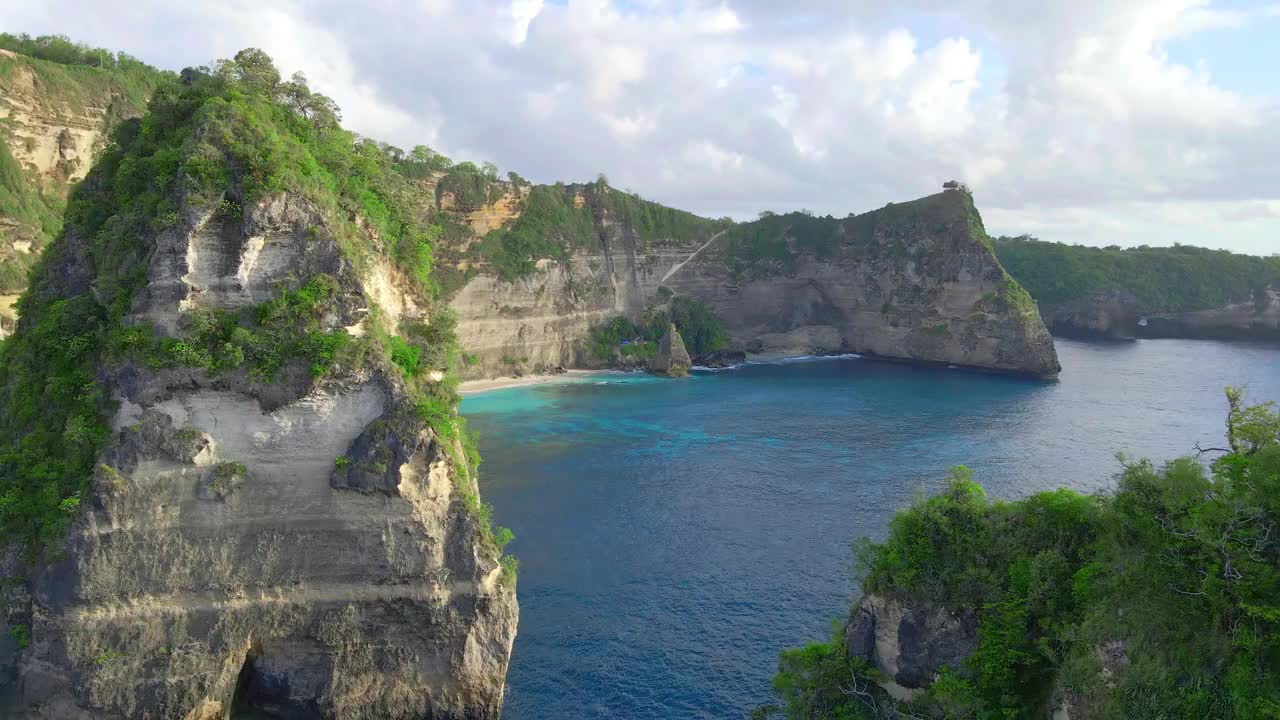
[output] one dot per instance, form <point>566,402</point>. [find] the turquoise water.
<point>676,534</point>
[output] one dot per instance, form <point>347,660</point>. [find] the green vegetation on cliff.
<point>68,78</point>
<point>550,226</point>
<point>1161,600</point>
<point>1163,279</point>
<point>224,139</point>
<point>697,323</point>
<point>37,216</point>
<point>558,220</point>
<point>773,244</point>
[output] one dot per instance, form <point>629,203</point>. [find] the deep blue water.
<point>675,535</point>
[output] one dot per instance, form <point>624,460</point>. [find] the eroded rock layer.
<point>300,547</point>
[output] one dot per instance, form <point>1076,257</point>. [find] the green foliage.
<point>699,326</point>
<point>21,634</point>
<point>1177,574</point>
<point>68,76</point>
<point>264,339</point>
<point>38,217</point>
<point>605,341</point>
<point>774,244</point>
<point>549,226</point>
<point>510,569</point>
<point>79,75</point>
<point>817,682</point>
<point>1163,279</point>
<point>651,222</point>
<point>696,322</point>
<point>469,185</point>
<point>556,220</point>
<point>422,161</point>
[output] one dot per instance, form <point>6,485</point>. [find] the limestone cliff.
<point>1148,292</point>
<point>281,516</point>
<point>1257,319</point>
<point>600,260</point>
<point>54,119</point>
<point>914,281</point>
<point>1117,315</point>
<point>1111,315</point>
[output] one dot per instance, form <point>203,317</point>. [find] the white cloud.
<point>1069,119</point>
<point>522,13</point>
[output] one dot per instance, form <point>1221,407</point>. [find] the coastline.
<point>473,387</point>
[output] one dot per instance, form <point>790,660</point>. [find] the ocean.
<point>675,535</point>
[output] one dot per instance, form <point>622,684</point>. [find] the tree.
<point>255,69</point>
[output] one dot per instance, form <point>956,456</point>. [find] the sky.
<point>1100,122</point>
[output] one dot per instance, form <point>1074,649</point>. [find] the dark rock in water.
<point>1112,314</point>
<point>672,359</point>
<point>909,641</point>
<point>722,359</point>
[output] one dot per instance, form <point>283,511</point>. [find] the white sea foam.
<point>780,361</point>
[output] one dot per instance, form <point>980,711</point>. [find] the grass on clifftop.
<point>1178,571</point>
<point>226,137</point>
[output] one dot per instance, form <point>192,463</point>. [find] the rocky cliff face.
<point>1258,319</point>
<point>1108,315</point>
<point>540,321</point>
<point>54,119</point>
<point>1116,315</point>
<point>913,282</point>
<point>301,546</point>
<point>909,642</point>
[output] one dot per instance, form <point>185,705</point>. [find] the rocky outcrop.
<point>1109,315</point>
<point>299,547</point>
<point>671,359</point>
<point>909,642</point>
<point>914,281</point>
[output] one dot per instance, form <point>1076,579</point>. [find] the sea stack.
<point>672,359</point>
